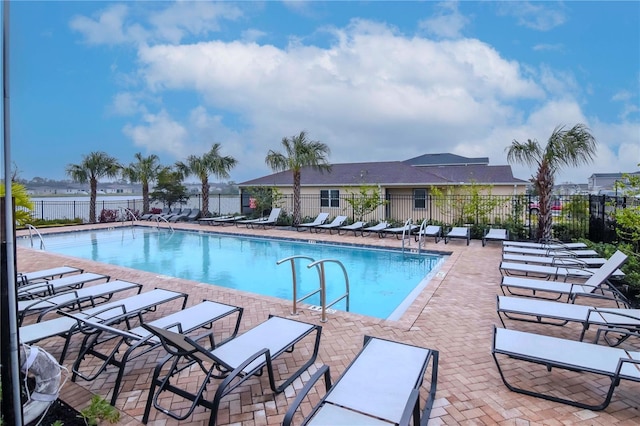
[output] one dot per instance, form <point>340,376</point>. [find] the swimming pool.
<point>382,282</point>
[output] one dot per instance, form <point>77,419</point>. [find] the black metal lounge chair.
<point>354,227</point>
<point>558,314</point>
<point>552,352</point>
<point>597,284</point>
<point>459,232</point>
<point>550,245</point>
<point>495,234</point>
<point>319,220</point>
<point>334,224</point>
<point>551,272</point>
<point>270,220</point>
<point>220,220</point>
<point>25,278</point>
<point>59,285</point>
<point>367,393</point>
<point>74,299</point>
<point>375,229</point>
<point>400,231</point>
<point>249,354</point>
<point>114,311</point>
<point>549,252</point>
<point>104,342</point>
<point>184,213</point>
<point>434,231</point>
<point>582,262</point>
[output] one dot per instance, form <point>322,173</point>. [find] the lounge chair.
<point>118,310</point>
<point>360,396</point>
<point>252,353</point>
<point>220,220</point>
<point>354,227</point>
<point>270,220</point>
<point>434,231</point>
<point>194,215</point>
<point>549,272</point>
<point>319,220</point>
<point>73,299</point>
<point>582,262</point>
<point>459,232</point>
<point>596,283</point>
<point>375,229</point>
<point>559,314</point>
<point>104,342</point>
<point>180,216</point>
<point>25,278</point>
<point>166,212</point>
<point>59,285</point>
<point>549,252</point>
<point>551,245</point>
<point>552,352</point>
<point>495,234</point>
<point>335,224</point>
<point>400,231</point>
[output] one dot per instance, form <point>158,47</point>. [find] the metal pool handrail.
<point>293,273</point>
<point>406,230</point>
<point>33,228</point>
<point>421,234</point>
<point>159,218</point>
<point>131,213</point>
<point>323,294</point>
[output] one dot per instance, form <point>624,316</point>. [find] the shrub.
<point>108,215</point>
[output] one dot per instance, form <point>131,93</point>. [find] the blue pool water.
<point>382,282</point>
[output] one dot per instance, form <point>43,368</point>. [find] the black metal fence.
<point>574,217</point>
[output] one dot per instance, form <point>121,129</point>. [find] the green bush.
<point>631,267</point>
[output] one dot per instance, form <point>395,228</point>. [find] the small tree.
<point>21,198</point>
<point>628,218</point>
<point>265,198</point>
<point>169,189</point>
<point>366,200</point>
<point>466,203</point>
<point>144,170</point>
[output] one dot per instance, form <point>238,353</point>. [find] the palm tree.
<point>299,152</point>
<point>210,163</point>
<point>145,170</point>
<point>571,147</point>
<point>93,167</point>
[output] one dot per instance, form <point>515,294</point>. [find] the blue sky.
<point>375,81</point>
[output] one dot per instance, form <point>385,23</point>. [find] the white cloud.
<point>106,28</point>
<point>558,47</point>
<point>159,133</point>
<point>447,23</point>
<point>541,16</point>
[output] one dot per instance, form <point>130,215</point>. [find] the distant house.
<point>411,180</point>
<point>605,182</point>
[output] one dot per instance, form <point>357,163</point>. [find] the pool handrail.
<point>294,310</point>
<point>30,227</point>
<point>159,218</point>
<point>131,213</point>
<point>323,286</point>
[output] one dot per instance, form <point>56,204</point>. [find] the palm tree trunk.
<point>205,196</point>
<point>145,197</point>
<point>296,198</point>
<point>93,184</point>
<point>545,189</point>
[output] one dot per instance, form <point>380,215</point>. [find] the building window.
<point>419,198</point>
<point>329,198</point>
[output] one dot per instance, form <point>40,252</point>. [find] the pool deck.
<point>455,314</point>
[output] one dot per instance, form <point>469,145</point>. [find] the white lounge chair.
<point>375,229</point>
<point>495,234</point>
<point>558,314</point>
<point>550,272</point>
<point>551,352</point>
<point>109,312</point>
<point>406,230</point>
<point>434,231</point>
<point>25,278</point>
<point>582,262</point>
<point>220,220</point>
<point>319,220</point>
<point>99,338</point>
<point>58,285</point>
<point>270,220</point>
<point>391,395</point>
<point>597,282</point>
<point>354,227</point>
<point>73,299</point>
<point>555,245</point>
<point>459,232</point>
<point>249,354</point>
<point>335,224</point>
<point>549,252</point>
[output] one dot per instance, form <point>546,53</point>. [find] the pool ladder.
<point>32,229</point>
<point>323,284</point>
<point>421,235</point>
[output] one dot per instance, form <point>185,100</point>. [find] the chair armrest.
<point>322,371</point>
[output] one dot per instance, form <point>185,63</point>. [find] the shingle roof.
<point>391,173</point>
<point>445,159</point>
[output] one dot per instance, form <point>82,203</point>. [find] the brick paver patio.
<point>454,314</point>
